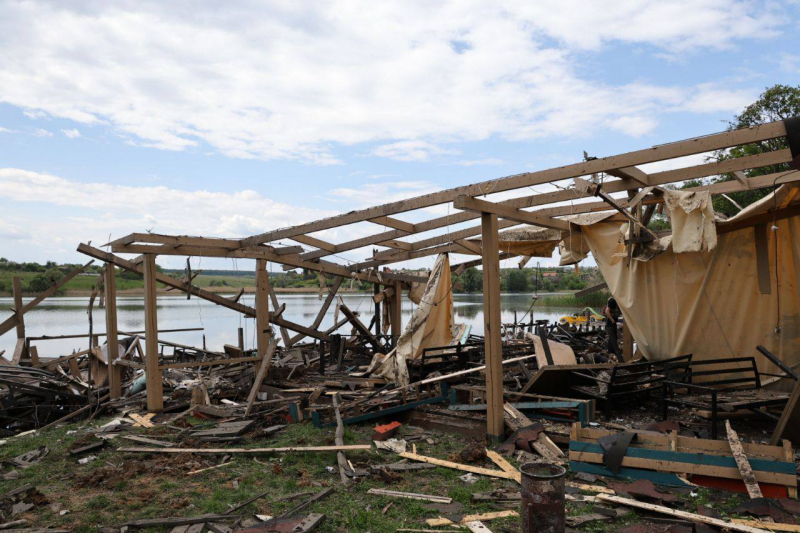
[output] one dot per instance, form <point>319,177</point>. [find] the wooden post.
<point>21,349</point>
<point>262,310</point>
<point>493,347</point>
<point>396,313</point>
<point>155,391</point>
<point>376,289</point>
<point>241,339</point>
<point>627,342</point>
<point>112,341</point>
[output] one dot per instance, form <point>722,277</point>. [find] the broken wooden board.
<point>459,466</point>
<point>436,522</point>
<point>226,429</point>
<point>753,490</point>
<point>730,526</point>
<point>216,451</point>
<point>410,495</point>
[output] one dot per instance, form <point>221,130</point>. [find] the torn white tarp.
<point>692,218</point>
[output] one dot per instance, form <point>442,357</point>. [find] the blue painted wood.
<point>660,478</point>
<point>759,465</point>
<point>522,406</point>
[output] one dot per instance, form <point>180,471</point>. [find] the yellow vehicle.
<point>587,316</point>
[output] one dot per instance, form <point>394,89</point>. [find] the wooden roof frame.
<point>511,212</point>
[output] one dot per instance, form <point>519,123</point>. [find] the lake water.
<point>68,316</point>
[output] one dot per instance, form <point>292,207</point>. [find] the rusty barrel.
<point>542,498</point>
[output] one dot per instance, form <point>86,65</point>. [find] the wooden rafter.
<point>659,153</point>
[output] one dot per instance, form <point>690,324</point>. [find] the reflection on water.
<point>68,316</point>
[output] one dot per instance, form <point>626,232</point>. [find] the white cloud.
<point>790,62</point>
<point>75,214</point>
<point>410,150</point>
<point>11,232</point>
<point>371,194</point>
<point>4,130</point>
<point>72,134</point>
<point>40,132</point>
<point>493,161</point>
<point>297,80</point>
<point>710,98</point>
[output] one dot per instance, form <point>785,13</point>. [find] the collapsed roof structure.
<point>711,288</point>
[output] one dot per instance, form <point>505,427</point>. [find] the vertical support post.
<point>376,289</point>
<point>262,310</point>
<point>627,342</point>
<point>155,391</point>
<point>241,339</point>
<point>112,340</point>
<point>17,282</point>
<point>21,349</point>
<point>396,313</point>
<point>492,328</point>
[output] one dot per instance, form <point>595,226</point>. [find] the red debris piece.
<point>385,431</point>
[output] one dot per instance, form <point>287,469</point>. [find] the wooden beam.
<point>317,243</point>
<point>295,261</point>
<point>360,327</point>
<point>510,213</point>
<point>493,347</point>
<point>741,178</point>
<point>112,340</point>
<point>337,282</point>
<point>749,478</point>
<point>631,173</point>
<point>262,310</point>
<point>471,247</point>
<point>393,223</point>
<point>659,153</point>
<point>155,391</point>
<point>261,374</point>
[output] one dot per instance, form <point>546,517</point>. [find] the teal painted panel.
<point>659,478</point>
<point>760,465</point>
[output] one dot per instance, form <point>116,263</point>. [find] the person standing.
<point>611,312</point>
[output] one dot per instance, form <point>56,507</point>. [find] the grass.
<point>156,485</point>
<point>596,299</point>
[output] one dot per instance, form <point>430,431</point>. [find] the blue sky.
<point>188,118</point>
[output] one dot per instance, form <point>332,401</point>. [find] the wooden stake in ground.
<point>748,476</point>
<point>340,457</point>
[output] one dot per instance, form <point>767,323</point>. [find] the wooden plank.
<point>631,173</point>
<point>767,526</point>
<point>142,421</point>
<point>112,339</point>
<point>679,514</point>
<point>217,451</point>
<point>500,461</point>
<point>659,153</point>
<point>753,490</point>
<point>436,522</point>
<point>155,391</point>
<point>19,351</point>
<point>263,372</point>
<point>360,327</point>
<point>464,468</point>
<point>467,203</point>
<point>182,521</point>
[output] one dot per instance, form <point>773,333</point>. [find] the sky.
<point>231,119</point>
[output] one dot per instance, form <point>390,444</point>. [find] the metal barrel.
<point>542,498</point>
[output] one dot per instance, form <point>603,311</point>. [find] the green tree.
<point>472,278</point>
<point>517,281</point>
<point>778,102</point>
<point>42,282</point>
